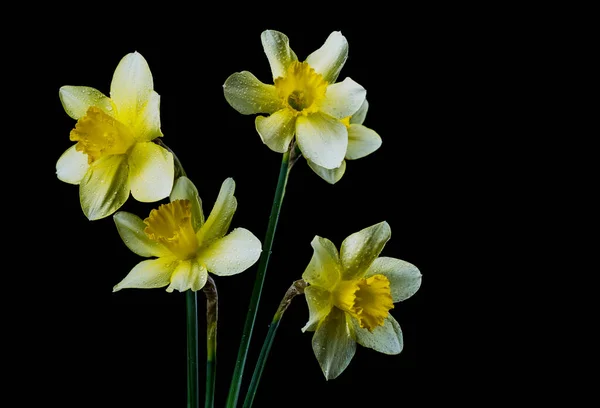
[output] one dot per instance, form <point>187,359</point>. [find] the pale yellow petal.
<point>184,189</point>
<point>360,115</point>
<point>247,95</point>
<point>385,339</point>
<point>147,126</point>
<point>149,274</point>
<point>188,275</point>
<point>105,186</point>
<point>331,176</point>
<point>404,277</point>
<point>277,48</point>
<point>72,166</point>
<point>76,100</point>
<point>277,130</point>
<point>343,99</point>
<point>324,268</point>
<point>362,141</point>
<point>232,254</point>
<point>360,249</point>
<point>319,302</point>
<point>131,87</point>
<point>333,344</point>
<point>331,57</point>
<point>322,139</point>
<point>151,172</point>
<point>217,223</point>
<point>131,229</point>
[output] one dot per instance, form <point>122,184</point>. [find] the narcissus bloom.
<point>186,246</point>
<point>350,295</point>
<point>304,101</point>
<point>114,153</point>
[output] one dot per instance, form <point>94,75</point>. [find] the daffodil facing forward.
<point>304,102</point>
<point>186,246</point>
<point>114,153</point>
<point>351,294</point>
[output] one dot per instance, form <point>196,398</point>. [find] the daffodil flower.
<point>351,294</point>
<point>114,153</point>
<point>362,141</point>
<point>304,101</point>
<point>186,246</point>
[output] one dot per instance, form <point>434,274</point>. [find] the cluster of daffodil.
<point>349,293</point>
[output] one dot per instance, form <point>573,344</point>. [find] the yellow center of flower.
<point>301,89</point>
<point>368,300</point>
<point>171,225</point>
<point>98,134</point>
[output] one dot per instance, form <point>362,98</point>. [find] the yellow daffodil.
<point>351,294</point>
<point>114,153</point>
<point>305,102</point>
<point>186,246</point>
<point>362,141</point>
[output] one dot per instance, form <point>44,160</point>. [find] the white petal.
<point>333,344</point>
<point>188,275</point>
<point>385,339</point>
<point>184,189</point>
<point>105,186</point>
<point>343,99</point>
<point>232,254</point>
<point>151,172</point>
<point>78,99</point>
<point>362,141</point>
<point>319,302</point>
<point>131,229</point>
<point>131,87</point>
<point>359,116</point>
<point>247,95</point>
<point>149,274</point>
<point>360,249</point>
<point>324,268</point>
<point>279,53</point>
<point>217,224</point>
<point>330,58</point>
<point>277,130</point>
<point>72,166</point>
<point>404,277</point>
<point>147,126</point>
<point>322,139</point>
<point>331,176</point>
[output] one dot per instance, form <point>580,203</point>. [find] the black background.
<point>128,349</point>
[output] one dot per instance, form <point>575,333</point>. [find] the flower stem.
<point>297,288</point>
<point>191,301</point>
<point>212,311</point>
<point>236,380</point>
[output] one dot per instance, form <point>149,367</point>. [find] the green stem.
<point>212,311</point>
<point>191,301</point>
<point>297,288</point>
<point>236,380</point>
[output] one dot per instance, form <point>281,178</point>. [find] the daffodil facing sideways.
<point>305,102</point>
<point>115,153</point>
<point>186,246</point>
<point>350,295</point>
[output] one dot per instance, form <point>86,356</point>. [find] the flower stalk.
<point>297,288</point>
<point>289,158</point>
<point>191,300</point>
<point>210,291</point>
